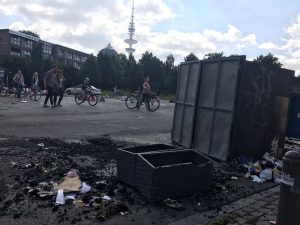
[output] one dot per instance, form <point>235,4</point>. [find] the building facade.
<point>20,44</point>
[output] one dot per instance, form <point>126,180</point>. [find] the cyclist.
<point>18,82</point>
<point>146,93</point>
<point>85,85</point>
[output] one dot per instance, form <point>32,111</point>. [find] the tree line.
<point>107,72</point>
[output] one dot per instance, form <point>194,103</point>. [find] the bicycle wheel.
<point>154,104</point>
<point>35,95</point>
<point>9,92</point>
<point>3,92</point>
<point>131,102</point>
<point>78,99</point>
<point>20,94</point>
<point>92,99</point>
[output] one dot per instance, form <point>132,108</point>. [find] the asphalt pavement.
<point>30,119</point>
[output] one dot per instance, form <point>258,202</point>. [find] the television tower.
<point>130,41</point>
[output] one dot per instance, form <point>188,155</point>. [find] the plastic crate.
<point>126,163</point>
<point>173,174</point>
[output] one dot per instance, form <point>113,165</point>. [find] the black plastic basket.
<point>173,174</point>
<point>126,163</point>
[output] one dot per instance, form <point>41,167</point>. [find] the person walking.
<point>49,84</point>
<point>35,81</point>
<point>59,84</point>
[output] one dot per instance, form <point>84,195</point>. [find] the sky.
<point>163,27</point>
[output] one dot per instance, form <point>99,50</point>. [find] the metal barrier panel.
<point>216,103</point>
<point>262,107</point>
<point>294,118</point>
<point>186,98</point>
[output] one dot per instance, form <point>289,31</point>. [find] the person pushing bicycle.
<point>146,93</point>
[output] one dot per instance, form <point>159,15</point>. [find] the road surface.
<point>72,121</point>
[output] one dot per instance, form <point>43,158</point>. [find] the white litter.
<point>85,188</point>
<point>257,179</point>
<point>106,197</point>
<point>60,199</point>
<point>266,174</point>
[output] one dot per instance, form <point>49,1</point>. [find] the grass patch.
<point>167,97</point>
<point>225,220</point>
<point>252,220</point>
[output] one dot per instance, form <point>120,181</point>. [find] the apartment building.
<point>20,44</point>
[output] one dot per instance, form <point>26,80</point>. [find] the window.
<point>28,44</point>
<point>47,49</point>
<point>60,53</point>
<point>76,65</point>
<point>69,55</point>
<point>83,58</point>
<point>15,51</point>
<point>76,57</point>
<point>28,53</point>
<point>15,40</point>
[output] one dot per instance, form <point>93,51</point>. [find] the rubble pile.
<point>268,168</point>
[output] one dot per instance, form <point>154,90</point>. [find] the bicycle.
<point>35,94</point>
<point>3,91</point>
<point>91,98</point>
<point>8,91</point>
<point>134,101</point>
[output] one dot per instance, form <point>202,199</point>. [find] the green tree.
<point>29,33</point>
<point>37,63</point>
<point>214,55</point>
<point>133,74</point>
<point>190,57</point>
<point>106,69</point>
<point>151,66</point>
<point>268,59</point>
<point>90,69</point>
<point>171,75</point>
<point>71,74</point>
<point>13,63</point>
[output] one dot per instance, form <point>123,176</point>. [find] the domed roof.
<point>109,51</point>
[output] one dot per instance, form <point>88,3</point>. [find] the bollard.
<point>289,200</point>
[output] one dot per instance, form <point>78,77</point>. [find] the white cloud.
<point>294,29</point>
<point>268,46</point>
<point>90,26</point>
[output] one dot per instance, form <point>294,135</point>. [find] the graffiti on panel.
<point>258,94</point>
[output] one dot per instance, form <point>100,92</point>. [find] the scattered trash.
<point>199,204</point>
<point>266,174</point>
<point>123,213</point>
<point>257,167</point>
<point>41,145</point>
<point>106,197</point>
<point>272,222</point>
<point>69,184</point>
<point>72,173</point>
<point>173,204</point>
<point>257,179</point>
<point>234,178</point>
<point>284,178</point>
<point>70,198</point>
<point>262,170</point>
<point>100,185</point>
<point>24,101</point>
<point>60,197</point>
<point>85,188</point>
<point>14,164</point>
